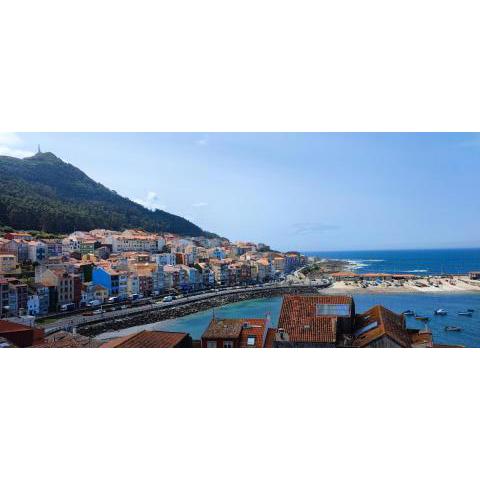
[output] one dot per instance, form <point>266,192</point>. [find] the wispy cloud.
<point>200,204</point>
<point>152,201</point>
<point>312,227</point>
<point>202,142</point>
<point>9,145</point>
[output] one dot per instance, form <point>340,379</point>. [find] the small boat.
<point>452,329</point>
<point>440,311</point>
<point>465,314</point>
<point>422,319</point>
<point>409,313</point>
<point>470,310</point>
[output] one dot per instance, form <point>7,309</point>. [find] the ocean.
<point>426,262</point>
<point>424,304</point>
<point>420,262</point>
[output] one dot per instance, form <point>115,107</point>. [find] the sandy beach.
<point>456,284</point>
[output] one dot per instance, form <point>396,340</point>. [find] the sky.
<point>302,191</point>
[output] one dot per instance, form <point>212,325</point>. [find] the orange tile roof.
<point>299,319</point>
<point>270,338</point>
<point>253,328</point>
<point>316,330</point>
<point>147,339</point>
<point>300,308</point>
<point>387,323</point>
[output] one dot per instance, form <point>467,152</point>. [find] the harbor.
<point>422,305</point>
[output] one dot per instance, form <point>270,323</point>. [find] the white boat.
<point>441,311</point>
<point>465,314</point>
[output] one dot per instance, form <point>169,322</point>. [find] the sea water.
<point>420,262</point>
<point>424,304</point>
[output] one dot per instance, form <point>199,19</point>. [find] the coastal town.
<point>42,275</point>
<point>65,290</point>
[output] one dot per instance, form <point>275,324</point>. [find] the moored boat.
<point>409,313</point>
<point>440,311</point>
<point>465,314</point>
<point>451,328</point>
<point>422,319</point>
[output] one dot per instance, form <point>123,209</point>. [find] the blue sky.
<point>329,191</point>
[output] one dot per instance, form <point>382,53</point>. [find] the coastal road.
<point>77,320</point>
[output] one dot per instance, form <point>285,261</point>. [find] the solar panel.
<point>365,329</point>
<point>337,310</point>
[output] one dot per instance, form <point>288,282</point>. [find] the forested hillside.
<point>44,193</point>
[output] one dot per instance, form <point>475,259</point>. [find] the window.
<point>227,344</point>
<point>338,310</point>
<point>212,344</point>
<point>250,341</point>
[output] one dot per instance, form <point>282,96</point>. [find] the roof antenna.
<point>39,151</point>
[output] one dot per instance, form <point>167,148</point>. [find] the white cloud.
<point>200,204</point>
<point>152,201</point>
<point>202,142</point>
<point>9,143</point>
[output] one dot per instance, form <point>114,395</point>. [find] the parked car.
<point>68,307</point>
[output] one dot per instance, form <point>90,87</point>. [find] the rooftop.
<point>304,308</point>
<point>64,339</point>
<point>8,327</point>
<point>227,328</point>
<point>377,322</point>
<point>313,318</point>
<point>270,337</point>
<point>147,339</point>
<point>253,333</point>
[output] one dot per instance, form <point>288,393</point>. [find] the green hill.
<point>44,193</point>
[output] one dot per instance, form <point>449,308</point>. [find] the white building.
<point>164,259</point>
<point>136,241</point>
<point>71,244</point>
<point>37,251</point>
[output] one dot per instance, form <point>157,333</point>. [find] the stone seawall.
<point>158,314</point>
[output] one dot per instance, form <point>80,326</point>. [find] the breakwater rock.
<point>156,314</point>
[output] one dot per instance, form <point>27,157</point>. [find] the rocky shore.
<point>156,314</point>
<point>323,267</point>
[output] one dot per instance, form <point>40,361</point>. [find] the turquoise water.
<point>424,304</point>
<point>421,262</point>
